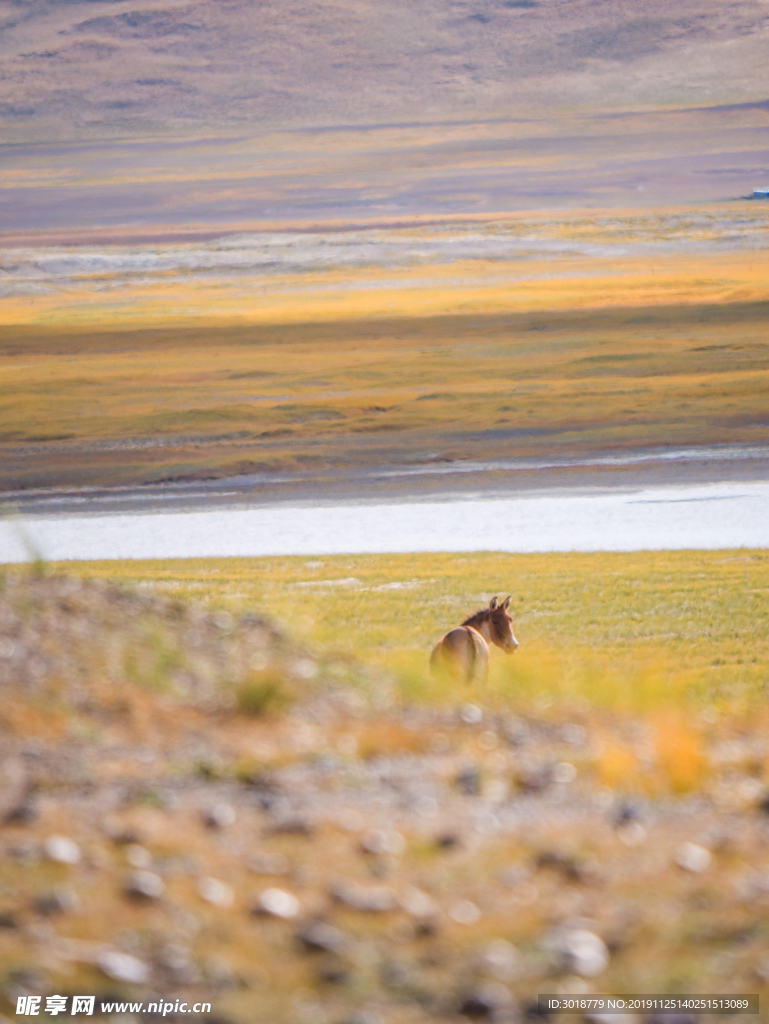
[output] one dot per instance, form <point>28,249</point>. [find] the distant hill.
<point>107,68</point>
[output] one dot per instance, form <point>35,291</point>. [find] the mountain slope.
<point>99,68</point>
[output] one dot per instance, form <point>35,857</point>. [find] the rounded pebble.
<point>62,849</point>
<point>632,834</point>
<point>417,903</point>
<point>318,935</point>
<point>583,952</point>
<point>219,816</point>
<point>470,714</point>
<point>216,892</point>
<point>123,967</point>
<point>464,912</point>
<point>278,903</point>
<point>692,857</point>
<point>565,772</point>
<point>145,885</point>
<point>137,856</point>
<point>380,841</point>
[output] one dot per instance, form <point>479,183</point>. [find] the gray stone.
<point>581,951</point>
<point>57,901</point>
<point>318,935</point>
<point>62,849</point>
<point>367,898</point>
<point>123,967</point>
<point>219,816</point>
<point>485,1001</point>
<point>145,885</point>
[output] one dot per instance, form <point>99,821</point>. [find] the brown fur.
<point>463,653</point>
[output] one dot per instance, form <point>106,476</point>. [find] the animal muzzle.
<point>511,646</point>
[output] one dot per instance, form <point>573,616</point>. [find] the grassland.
<point>643,632</point>
<point>459,839</point>
<point>86,406</point>
<point>536,334</point>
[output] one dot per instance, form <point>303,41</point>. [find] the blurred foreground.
<point>195,807</point>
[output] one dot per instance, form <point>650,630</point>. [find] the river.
<point>704,516</point>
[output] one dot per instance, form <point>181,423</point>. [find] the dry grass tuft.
<point>681,761</point>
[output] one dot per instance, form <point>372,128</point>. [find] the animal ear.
<point>493,604</point>
<point>506,603</point>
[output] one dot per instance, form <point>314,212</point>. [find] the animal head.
<point>501,625</point>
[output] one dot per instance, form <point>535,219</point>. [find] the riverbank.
<point>439,479</point>
<point>662,500</point>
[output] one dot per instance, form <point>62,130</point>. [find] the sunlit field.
<point>628,632</point>
<point>619,346</point>
<point>676,640</point>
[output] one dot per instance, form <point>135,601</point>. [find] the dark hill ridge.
<point>101,68</point>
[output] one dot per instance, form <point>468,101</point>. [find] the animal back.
<point>462,654</point>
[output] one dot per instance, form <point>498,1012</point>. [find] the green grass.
<point>641,632</point>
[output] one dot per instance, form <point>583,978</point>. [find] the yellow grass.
<point>230,400</point>
<point>464,287</point>
<point>658,652</point>
<point>642,633</point>
<point>637,329</point>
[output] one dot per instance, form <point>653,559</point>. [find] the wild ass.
<point>464,652</point>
